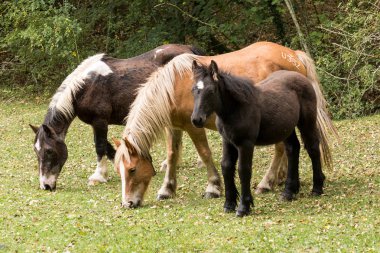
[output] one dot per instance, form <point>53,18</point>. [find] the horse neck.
<point>60,124</point>
<point>226,104</point>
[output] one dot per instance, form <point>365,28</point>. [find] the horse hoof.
<point>286,196</point>
<point>262,191</point>
<point>242,213</point>
<point>95,179</point>
<point>163,197</point>
<point>316,193</point>
<point>229,210</point>
<point>211,195</point>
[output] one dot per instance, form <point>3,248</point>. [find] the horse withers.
<point>262,114</point>
<point>99,91</point>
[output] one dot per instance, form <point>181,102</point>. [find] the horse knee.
<point>227,165</point>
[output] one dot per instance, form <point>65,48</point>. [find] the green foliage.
<point>351,60</point>
<point>41,41</point>
<point>39,38</point>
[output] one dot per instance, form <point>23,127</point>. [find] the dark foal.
<point>262,114</point>
<point>99,92</point>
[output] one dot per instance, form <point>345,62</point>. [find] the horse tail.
<point>324,122</point>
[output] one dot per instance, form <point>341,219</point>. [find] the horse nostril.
<point>130,204</point>
<point>49,187</point>
<point>197,122</point>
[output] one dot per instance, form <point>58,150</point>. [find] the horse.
<point>250,115</point>
<point>99,92</point>
<point>165,101</point>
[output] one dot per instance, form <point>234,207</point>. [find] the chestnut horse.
<point>165,100</point>
<point>249,115</point>
<point>99,92</point>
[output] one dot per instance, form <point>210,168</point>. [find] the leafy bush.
<point>38,42</point>
<point>350,60</point>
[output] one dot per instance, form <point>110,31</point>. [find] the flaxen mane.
<point>62,101</point>
<point>150,112</point>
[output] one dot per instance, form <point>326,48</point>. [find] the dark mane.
<point>196,50</point>
<point>241,89</point>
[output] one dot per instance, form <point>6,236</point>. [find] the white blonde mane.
<point>150,112</point>
<point>62,101</point>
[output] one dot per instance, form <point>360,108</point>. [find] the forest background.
<point>42,41</point>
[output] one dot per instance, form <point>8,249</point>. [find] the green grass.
<point>79,218</point>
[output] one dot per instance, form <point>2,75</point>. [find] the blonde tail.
<point>324,123</point>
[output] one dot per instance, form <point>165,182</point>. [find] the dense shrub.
<point>41,41</point>
<point>349,61</point>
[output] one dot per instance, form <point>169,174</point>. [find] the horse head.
<point>135,171</point>
<point>205,92</point>
<point>51,154</point>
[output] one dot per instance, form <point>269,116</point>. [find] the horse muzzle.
<point>132,204</point>
<point>198,121</point>
<point>48,183</point>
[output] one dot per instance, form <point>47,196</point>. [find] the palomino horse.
<point>166,101</point>
<point>99,91</point>
<point>262,114</point>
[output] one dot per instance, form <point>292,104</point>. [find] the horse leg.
<point>174,143</point>
<point>311,142</point>
<point>199,138</point>
<point>292,184</point>
<point>169,148</point>
<point>245,174</point>
<point>100,128</point>
<point>271,176</point>
<point>228,164</point>
<point>110,151</point>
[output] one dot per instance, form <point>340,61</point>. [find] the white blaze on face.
<point>38,145</point>
<point>200,85</point>
<point>123,183</point>
<point>157,51</point>
<point>47,180</point>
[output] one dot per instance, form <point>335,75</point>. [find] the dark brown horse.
<point>99,92</point>
<point>262,114</point>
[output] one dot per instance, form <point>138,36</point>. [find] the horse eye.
<point>133,170</point>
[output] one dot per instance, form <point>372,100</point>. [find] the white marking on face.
<point>99,68</point>
<point>44,180</point>
<point>200,85</point>
<point>38,145</point>
<point>123,183</point>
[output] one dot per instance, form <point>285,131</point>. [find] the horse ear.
<point>196,66</point>
<point>116,141</point>
<point>34,128</point>
<point>49,131</point>
<point>213,69</point>
<point>130,147</point>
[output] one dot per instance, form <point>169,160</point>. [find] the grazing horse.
<point>99,92</point>
<point>262,114</point>
<point>168,91</point>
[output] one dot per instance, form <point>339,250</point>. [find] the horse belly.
<point>278,121</point>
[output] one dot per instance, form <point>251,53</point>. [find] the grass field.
<point>80,218</point>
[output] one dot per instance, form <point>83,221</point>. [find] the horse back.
<point>287,99</point>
